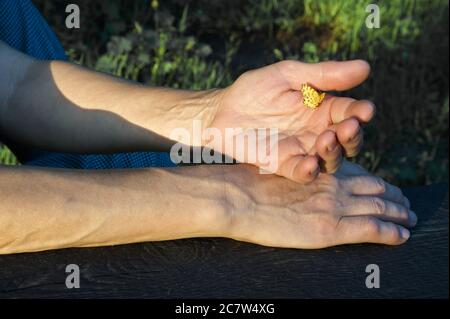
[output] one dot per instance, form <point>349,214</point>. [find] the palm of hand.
<point>267,98</point>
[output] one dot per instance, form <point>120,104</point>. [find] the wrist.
<point>203,199</point>
<point>181,112</point>
<point>238,201</point>
<point>209,104</point>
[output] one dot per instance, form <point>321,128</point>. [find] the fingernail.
<point>413,218</point>
<point>332,146</point>
<point>351,138</point>
<point>405,233</point>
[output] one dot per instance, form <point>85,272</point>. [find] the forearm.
<point>49,208</point>
<point>64,107</point>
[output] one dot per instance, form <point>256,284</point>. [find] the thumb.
<point>325,76</point>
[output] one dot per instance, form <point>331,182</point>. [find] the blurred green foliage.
<point>203,44</point>
<point>6,156</point>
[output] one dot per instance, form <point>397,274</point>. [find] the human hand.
<point>269,97</point>
<point>349,207</point>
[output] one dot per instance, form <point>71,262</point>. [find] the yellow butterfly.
<point>311,97</point>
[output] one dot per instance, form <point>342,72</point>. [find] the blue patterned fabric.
<point>23,28</point>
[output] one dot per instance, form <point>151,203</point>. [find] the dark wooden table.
<point>222,268</point>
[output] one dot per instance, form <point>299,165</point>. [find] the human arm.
<point>53,208</point>
<point>60,106</point>
<point>43,208</point>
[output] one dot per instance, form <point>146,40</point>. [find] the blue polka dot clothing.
<point>23,28</point>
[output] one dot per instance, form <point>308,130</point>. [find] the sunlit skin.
<point>46,208</point>
<point>63,107</point>
<point>131,117</point>
<point>271,96</point>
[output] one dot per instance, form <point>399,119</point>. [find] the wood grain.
<point>222,268</point>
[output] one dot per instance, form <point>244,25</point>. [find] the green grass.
<point>6,156</point>
<point>202,44</point>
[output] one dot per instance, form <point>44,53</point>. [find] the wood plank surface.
<point>222,268</point>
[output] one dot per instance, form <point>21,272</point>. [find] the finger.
<point>368,229</point>
<point>330,152</point>
<point>353,148</point>
<point>348,169</point>
<point>350,136</point>
<point>382,209</point>
<point>369,185</point>
<point>407,202</point>
<point>395,194</point>
<point>342,108</point>
<point>300,168</point>
<point>326,76</point>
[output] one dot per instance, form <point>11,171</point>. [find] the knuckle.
<point>396,235</point>
<point>393,235</point>
<point>245,76</point>
<point>290,145</point>
<point>373,227</point>
<point>356,181</point>
<point>324,202</point>
<point>378,206</point>
<point>379,185</point>
<point>285,65</point>
<point>331,181</point>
